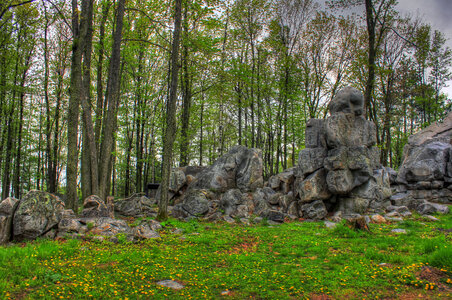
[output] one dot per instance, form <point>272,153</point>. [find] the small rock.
<point>392,214</point>
<point>399,230</point>
<point>394,219</point>
<point>228,219</point>
<point>431,218</point>
<point>171,284</point>
<point>378,219</point>
<point>257,220</point>
<point>245,221</point>
<point>178,231</point>
<point>330,225</point>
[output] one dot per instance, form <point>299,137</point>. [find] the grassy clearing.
<point>294,260</point>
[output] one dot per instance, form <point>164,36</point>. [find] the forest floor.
<point>221,261</point>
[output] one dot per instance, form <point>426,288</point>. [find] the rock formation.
<point>424,180</point>
<point>339,168</point>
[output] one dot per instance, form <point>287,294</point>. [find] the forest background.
<point>84,85</point>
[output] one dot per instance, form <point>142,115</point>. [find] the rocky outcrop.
<point>136,206</point>
<point>38,214</point>
<point>340,165</point>
<point>7,209</point>
<point>424,180</point>
<point>240,168</point>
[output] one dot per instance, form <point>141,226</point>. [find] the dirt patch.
<point>106,265</point>
<point>313,296</point>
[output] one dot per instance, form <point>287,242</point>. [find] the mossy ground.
<point>289,261</point>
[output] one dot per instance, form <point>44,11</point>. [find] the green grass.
<point>290,261</point>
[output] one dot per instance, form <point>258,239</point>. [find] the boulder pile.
<point>43,215</point>
<point>424,180</point>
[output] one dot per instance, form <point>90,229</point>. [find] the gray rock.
<point>310,160</point>
<point>340,182</point>
<point>276,216</point>
<point>105,226</point>
<point>38,213</point>
<point>347,100</point>
<point>315,134</point>
<point>230,200</point>
<point>351,206</point>
<point>392,175</point>
<point>350,131</point>
<point>428,208</point>
<point>94,207</point>
<point>260,202</point>
<point>135,206</point>
<point>438,131</point>
<point>144,231</point>
<point>377,188</point>
<point>69,225</point>
<point>394,219</point>
<point>283,181</point>
<point>292,209</point>
<point>314,187</point>
<point>425,163</point>
<point>7,209</point>
<point>195,203</point>
<point>315,210</point>
<point>228,219</point>
<point>171,284</point>
<point>330,225</point>
<point>431,218</point>
<point>240,168</point>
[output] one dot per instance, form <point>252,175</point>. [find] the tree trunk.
<point>170,131</point>
<point>112,99</point>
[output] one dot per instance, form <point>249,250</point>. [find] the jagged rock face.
<point>240,168</point>
<point>7,209</point>
<point>38,213</point>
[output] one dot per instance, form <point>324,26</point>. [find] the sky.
<point>438,13</point>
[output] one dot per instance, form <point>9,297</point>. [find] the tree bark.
<point>112,99</point>
<point>170,131</point>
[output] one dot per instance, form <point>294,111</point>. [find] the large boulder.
<point>37,214</point>
<point>177,181</point>
<point>340,182</point>
<point>425,163</point>
<point>315,134</point>
<point>315,210</point>
<point>94,207</point>
<point>240,168</point>
<point>283,181</point>
<point>230,201</point>
<point>348,130</point>
<point>135,206</point>
<point>7,209</point>
<point>195,204</point>
<point>314,187</point>
<point>310,160</point>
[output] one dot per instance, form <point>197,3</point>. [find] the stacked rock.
<point>339,168</point>
<point>425,177</point>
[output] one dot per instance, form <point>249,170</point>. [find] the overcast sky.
<point>438,13</point>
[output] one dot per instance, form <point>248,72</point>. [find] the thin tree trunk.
<point>170,131</point>
<point>73,113</point>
